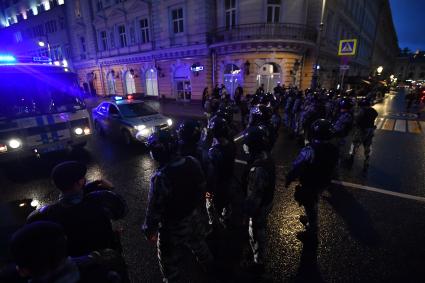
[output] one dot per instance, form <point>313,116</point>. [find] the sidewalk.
<point>166,107</point>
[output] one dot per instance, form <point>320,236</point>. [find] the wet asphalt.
<point>364,236</point>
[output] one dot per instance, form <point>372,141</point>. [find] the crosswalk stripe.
<point>400,126</point>
<point>380,123</point>
<point>422,123</point>
<point>414,127</point>
<point>389,125</point>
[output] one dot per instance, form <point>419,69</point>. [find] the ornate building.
<point>176,48</point>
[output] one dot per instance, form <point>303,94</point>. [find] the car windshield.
<point>36,91</point>
<point>132,110</point>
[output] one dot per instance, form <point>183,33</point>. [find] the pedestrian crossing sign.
<point>347,47</point>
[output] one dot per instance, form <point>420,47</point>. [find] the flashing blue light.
<point>7,59</point>
<point>117,98</point>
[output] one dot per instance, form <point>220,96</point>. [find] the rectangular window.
<point>112,37</point>
<point>99,5</point>
<point>51,26</point>
<point>273,11</point>
<point>144,31</point>
<point>123,36</point>
<point>77,9</point>
<point>178,20</point>
<point>230,13</point>
<point>132,35</point>
<point>104,40</point>
<point>83,44</point>
<point>18,37</point>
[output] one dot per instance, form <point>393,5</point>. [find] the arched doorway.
<point>130,85</point>
<point>269,75</point>
<point>232,78</point>
<point>182,86</point>
<point>111,83</point>
<point>90,79</point>
<point>151,82</point>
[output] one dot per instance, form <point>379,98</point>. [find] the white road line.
<point>376,190</point>
<point>400,126</point>
<point>380,122</point>
<point>241,161</point>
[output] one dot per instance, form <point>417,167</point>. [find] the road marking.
<point>389,125</point>
<point>380,123</point>
<point>400,126</point>
<point>414,127</point>
<point>241,161</point>
<point>376,190</point>
<point>422,123</point>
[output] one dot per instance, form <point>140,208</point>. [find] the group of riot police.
<point>195,189</point>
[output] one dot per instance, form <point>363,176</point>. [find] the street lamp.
<point>379,70</point>
<point>318,45</point>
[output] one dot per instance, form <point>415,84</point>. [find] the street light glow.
<point>41,44</point>
<point>380,69</point>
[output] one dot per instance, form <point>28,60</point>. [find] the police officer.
<point>344,122</point>
<point>260,181</point>
<point>84,210</point>
<point>363,131</point>
<point>220,175</point>
<point>174,202</point>
<point>314,168</point>
<point>189,136</point>
<point>262,115</point>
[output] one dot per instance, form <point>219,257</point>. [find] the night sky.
<point>409,21</point>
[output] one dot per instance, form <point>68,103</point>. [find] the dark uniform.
<point>259,181</point>
<point>85,215</point>
<point>314,167</point>
<point>174,204</point>
<point>220,175</point>
<point>364,131</point>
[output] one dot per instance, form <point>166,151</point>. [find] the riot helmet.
<point>162,145</point>
<point>255,140</point>
<point>321,130</point>
<point>189,132</point>
<point>218,127</point>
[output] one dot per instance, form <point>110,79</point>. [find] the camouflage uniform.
<point>260,186</point>
<point>314,168</point>
<point>363,132</point>
<point>221,158</point>
<point>174,211</point>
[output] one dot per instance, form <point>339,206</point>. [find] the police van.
<point>41,109</point>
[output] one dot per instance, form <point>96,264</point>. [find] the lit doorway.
<point>269,75</point>
<point>111,83</point>
<point>232,78</point>
<point>182,85</point>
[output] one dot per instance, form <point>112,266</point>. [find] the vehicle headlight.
<point>169,122</point>
<point>145,132</point>
<point>3,148</point>
<point>87,131</point>
<point>78,131</point>
<point>140,127</point>
<point>15,143</point>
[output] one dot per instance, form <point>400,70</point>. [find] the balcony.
<point>264,32</point>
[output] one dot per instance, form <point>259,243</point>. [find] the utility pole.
<point>314,81</point>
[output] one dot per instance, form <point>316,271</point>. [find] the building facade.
<point>176,48</point>
<point>35,28</point>
<point>411,67</point>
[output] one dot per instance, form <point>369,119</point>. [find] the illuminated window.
<point>230,13</point>
<point>77,8</point>
<point>34,10</point>
<point>46,6</point>
<point>178,20</point>
<point>273,11</point>
<point>61,2</point>
<point>18,36</point>
<point>123,36</point>
<point>144,30</point>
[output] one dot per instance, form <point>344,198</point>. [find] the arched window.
<point>111,83</point>
<point>151,82</point>
<point>130,84</point>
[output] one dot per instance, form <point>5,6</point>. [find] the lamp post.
<point>43,44</point>
<point>379,70</point>
<point>318,45</point>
